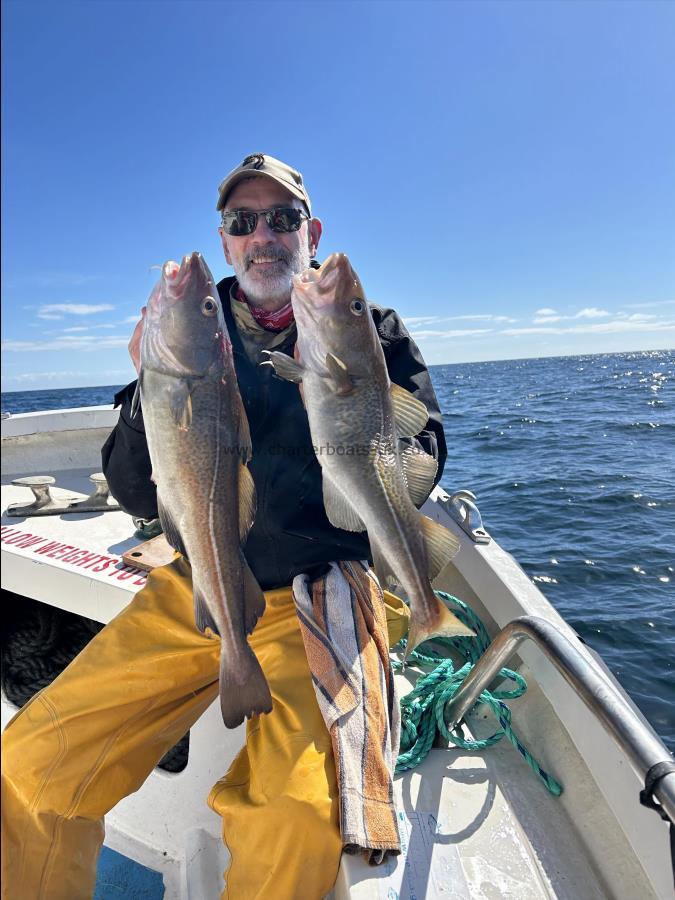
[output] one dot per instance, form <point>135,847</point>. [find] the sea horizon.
<point>81,387</point>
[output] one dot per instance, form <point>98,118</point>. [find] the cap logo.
<point>254,161</point>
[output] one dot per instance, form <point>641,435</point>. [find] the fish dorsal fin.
<point>339,511</point>
<point>440,543</point>
<point>170,529</point>
<point>203,618</point>
<point>410,414</point>
<point>339,375</point>
<point>284,366</point>
<point>180,402</point>
<point>247,502</point>
<point>419,470</point>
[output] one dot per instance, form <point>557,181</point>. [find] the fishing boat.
<point>474,824</point>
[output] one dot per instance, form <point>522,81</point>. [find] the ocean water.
<point>572,461</point>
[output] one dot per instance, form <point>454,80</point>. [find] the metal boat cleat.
<point>461,507</point>
<point>45,505</point>
<point>98,500</point>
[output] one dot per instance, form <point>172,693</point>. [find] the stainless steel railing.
<point>639,742</point>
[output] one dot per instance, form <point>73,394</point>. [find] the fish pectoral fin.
<point>339,375</point>
<point>247,501</point>
<point>203,618</point>
<point>410,414</point>
<point>170,528</point>
<point>284,366</point>
<point>441,545</point>
<point>338,509</point>
<point>244,436</point>
<point>136,399</point>
<point>254,599</point>
<point>180,403</point>
<point>419,470</point>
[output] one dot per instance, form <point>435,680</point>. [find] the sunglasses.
<point>239,222</point>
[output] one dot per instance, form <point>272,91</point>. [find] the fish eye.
<point>357,306</point>
<point>209,307</point>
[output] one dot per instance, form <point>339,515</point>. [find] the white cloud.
<point>547,316</point>
<point>84,328</point>
<point>87,378</point>
<point>130,320</point>
<point>618,325</point>
<point>58,310</point>
<point>478,317</point>
<point>639,317</point>
<point>458,332</point>
<point>52,280</point>
<point>648,304</point>
<point>71,342</point>
<point>591,312</point>
<point>420,320</point>
<point>32,377</point>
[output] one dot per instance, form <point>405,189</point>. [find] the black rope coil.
<point>38,642</point>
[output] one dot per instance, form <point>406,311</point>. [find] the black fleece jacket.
<point>291,533</point>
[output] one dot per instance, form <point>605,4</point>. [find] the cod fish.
<point>199,444</point>
<point>359,421</point>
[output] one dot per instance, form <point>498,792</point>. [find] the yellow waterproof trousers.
<point>96,733</point>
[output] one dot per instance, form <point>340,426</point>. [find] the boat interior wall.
<point>76,419</point>
<point>48,443</point>
<point>53,453</point>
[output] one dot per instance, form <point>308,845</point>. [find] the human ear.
<point>315,228</point>
<point>223,239</point>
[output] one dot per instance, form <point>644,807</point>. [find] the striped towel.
<point>344,628</point>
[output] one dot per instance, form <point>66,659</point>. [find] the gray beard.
<point>275,285</point>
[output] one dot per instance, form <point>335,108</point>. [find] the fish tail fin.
<point>254,599</point>
<point>444,624</point>
<point>244,691</point>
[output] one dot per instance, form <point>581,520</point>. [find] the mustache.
<point>268,254</point>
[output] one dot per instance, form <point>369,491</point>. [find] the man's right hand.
<point>135,342</point>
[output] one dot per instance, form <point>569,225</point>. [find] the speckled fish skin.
<point>349,406</point>
<point>199,443</point>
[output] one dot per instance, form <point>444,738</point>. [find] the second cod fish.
<point>199,444</point>
<point>357,417</point>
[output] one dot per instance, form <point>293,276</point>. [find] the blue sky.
<point>502,173</point>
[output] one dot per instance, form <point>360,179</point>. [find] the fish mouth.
<point>326,285</point>
<point>176,276</point>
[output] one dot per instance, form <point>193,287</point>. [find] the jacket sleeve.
<point>126,461</point>
<point>407,369</point>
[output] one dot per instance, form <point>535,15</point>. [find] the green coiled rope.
<point>422,709</point>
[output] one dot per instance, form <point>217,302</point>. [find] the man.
<point>97,732</point>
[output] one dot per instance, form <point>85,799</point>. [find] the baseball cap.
<point>261,164</point>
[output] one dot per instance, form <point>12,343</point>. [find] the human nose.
<point>262,230</point>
